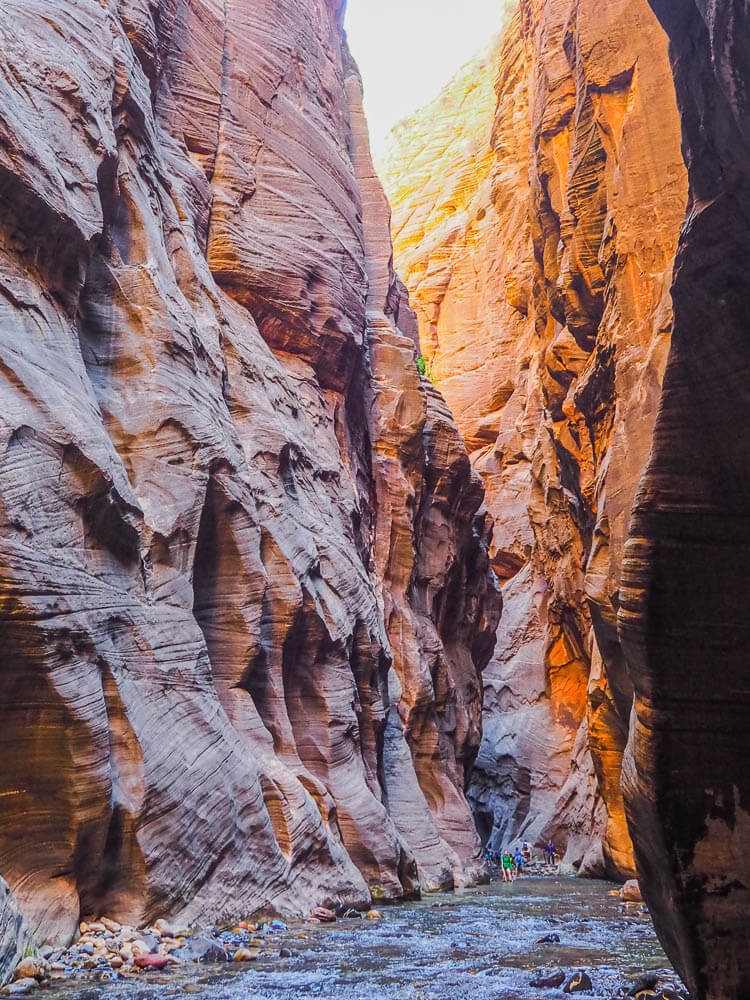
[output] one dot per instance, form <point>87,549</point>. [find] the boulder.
<point>550,979</point>
<point>32,967</point>
<point>152,961</point>
<point>202,948</point>
<point>631,891</point>
<point>21,986</point>
<point>245,955</point>
<point>579,982</point>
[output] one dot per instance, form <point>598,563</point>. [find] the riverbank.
<point>480,943</point>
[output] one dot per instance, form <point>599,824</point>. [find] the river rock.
<point>202,948</point>
<point>579,982</point>
<point>153,961</point>
<point>631,892</point>
<point>548,979</point>
<point>648,981</point>
<point>32,968</point>
<point>323,914</point>
<point>146,943</point>
<point>21,986</point>
<point>245,955</point>
<point>166,929</point>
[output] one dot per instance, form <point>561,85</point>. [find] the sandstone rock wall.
<point>14,933</point>
<point>244,591</point>
<point>535,225</point>
<point>683,614</point>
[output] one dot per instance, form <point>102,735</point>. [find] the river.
<point>474,944</point>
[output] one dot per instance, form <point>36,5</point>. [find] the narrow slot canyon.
<point>373,499</point>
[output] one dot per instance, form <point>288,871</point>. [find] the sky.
<point>408,49</point>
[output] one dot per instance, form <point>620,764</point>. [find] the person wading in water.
<point>507,867</point>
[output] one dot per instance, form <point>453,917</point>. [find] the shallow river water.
<point>476,944</point>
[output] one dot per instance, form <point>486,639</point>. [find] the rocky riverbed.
<point>482,943</point>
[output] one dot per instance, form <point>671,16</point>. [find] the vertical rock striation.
<point>535,225</point>
<point>683,616</point>
<point>14,934</point>
<point>244,589</point>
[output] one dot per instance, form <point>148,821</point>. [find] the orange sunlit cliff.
<point>537,203</point>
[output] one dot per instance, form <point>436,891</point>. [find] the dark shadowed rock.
<point>579,982</point>
<point>684,604</point>
<point>549,979</point>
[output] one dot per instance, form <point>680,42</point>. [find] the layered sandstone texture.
<point>536,208</point>
<point>245,597</point>
<point>683,614</point>
<point>14,933</point>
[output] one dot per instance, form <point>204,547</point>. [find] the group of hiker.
<point>511,863</point>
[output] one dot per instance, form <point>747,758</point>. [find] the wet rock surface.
<point>473,943</point>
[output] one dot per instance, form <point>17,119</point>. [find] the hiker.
<point>507,863</point>
<point>526,851</point>
<point>518,860</point>
<point>551,853</point>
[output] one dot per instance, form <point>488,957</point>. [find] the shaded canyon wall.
<point>686,576</point>
<point>536,209</point>
<point>245,596</point>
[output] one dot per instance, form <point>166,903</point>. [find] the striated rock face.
<point>686,587</point>
<point>535,224</point>
<point>14,934</point>
<point>245,596</point>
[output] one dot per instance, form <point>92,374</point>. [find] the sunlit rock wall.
<point>536,208</point>
<point>244,590</point>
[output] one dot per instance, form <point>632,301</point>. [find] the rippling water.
<point>476,944</point>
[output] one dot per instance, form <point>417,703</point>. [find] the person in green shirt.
<point>507,867</point>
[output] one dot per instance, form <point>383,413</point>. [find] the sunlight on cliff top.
<point>408,49</point>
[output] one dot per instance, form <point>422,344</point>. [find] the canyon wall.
<point>686,576</point>
<point>535,223</point>
<point>245,596</point>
